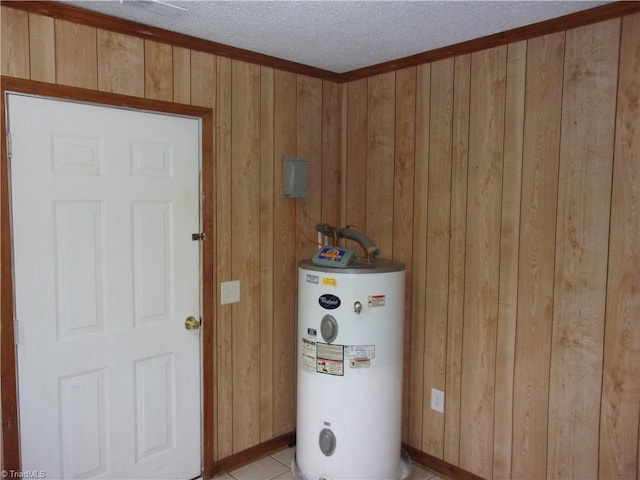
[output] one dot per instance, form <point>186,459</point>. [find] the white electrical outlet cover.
<point>230,292</point>
<point>437,400</point>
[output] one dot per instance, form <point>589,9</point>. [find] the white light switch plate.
<point>230,292</point>
<point>437,400</point>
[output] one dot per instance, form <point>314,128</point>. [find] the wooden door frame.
<point>8,371</point>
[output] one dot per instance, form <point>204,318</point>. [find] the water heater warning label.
<point>308,355</point>
<point>330,359</point>
<point>377,300</point>
<point>360,351</point>
<point>360,356</point>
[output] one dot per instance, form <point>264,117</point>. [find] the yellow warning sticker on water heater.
<point>329,281</point>
<point>377,300</point>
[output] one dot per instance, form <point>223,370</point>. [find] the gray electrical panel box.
<point>295,176</point>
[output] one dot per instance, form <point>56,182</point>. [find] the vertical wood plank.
<point>158,70</point>
<point>284,259</point>
<point>309,146</point>
<point>203,79</point>
<point>245,251</point>
<point>584,198</point>
<point>344,129</point>
<point>42,54</point>
<point>181,75</point>
<point>545,56</point>
<point>356,189</point>
<point>267,283</point>
<point>457,242</point>
<point>15,42</point>
<point>76,55</point>
<point>380,148</point>
<point>486,131</point>
<point>419,256</point>
<point>331,165</point>
<point>120,63</point>
<point>620,411</point>
<point>509,238</point>
<point>403,175</point>
<point>437,260</point>
<point>224,368</point>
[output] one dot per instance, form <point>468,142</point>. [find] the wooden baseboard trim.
<point>288,439</point>
<point>249,455</point>
<point>439,466</point>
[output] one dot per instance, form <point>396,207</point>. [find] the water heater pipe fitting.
<point>365,242</point>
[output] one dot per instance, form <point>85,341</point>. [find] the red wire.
<point>292,202</point>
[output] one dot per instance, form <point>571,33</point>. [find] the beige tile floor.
<point>277,466</point>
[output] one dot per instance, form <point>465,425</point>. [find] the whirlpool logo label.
<point>329,302</point>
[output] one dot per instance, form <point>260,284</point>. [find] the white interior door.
<point>104,202</point>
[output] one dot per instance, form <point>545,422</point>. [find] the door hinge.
<point>9,146</point>
<point>17,331</point>
<point>198,237</point>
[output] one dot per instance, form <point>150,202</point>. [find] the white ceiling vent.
<point>155,6</point>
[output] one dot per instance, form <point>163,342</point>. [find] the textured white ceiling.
<point>336,35</point>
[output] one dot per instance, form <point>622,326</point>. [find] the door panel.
<point>152,267</point>
<point>104,202</point>
<point>83,424</point>
<point>79,265</point>
<point>155,414</point>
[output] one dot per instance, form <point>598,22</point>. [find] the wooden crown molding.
<point>69,13</point>
<point>85,17</point>
<point>566,22</point>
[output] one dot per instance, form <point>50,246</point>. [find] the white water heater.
<point>349,360</point>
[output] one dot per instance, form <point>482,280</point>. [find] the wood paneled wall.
<point>261,114</point>
<point>508,180</point>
